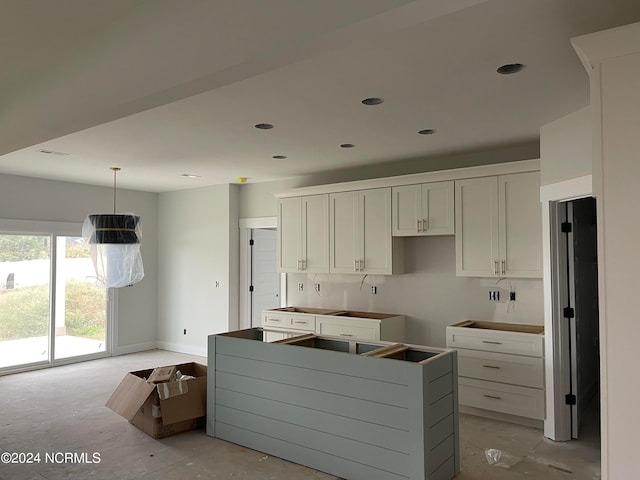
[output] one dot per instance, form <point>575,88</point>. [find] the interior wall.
<point>429,293</point>
<point>26,198</point>
<point>198,248</point>
<point>566,147</point>
<point>616,84</point>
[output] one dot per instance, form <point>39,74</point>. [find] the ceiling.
<point>163,88</point>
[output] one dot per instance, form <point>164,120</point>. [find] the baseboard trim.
<point>503,417</point>
<point>133,348</point>
<point>180,348</point>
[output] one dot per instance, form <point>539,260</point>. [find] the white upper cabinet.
<point>360,233</point>
<point>498,226</point>
<point>303,234</point>
<point>424,209</point>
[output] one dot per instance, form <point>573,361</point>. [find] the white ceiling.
<point>161,88</point>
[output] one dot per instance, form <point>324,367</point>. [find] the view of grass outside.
<point>24,310</point>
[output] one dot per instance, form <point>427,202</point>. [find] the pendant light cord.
<point>115,172</point>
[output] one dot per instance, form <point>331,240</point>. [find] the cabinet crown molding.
<point>426,177</point>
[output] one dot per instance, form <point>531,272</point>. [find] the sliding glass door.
<point>51,309</point>
<point>25,270</point>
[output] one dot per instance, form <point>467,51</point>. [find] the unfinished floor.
<point>62,410</point>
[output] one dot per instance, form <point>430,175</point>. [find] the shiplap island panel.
<point>355,409</point>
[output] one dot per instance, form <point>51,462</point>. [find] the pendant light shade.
<point>114,240</point>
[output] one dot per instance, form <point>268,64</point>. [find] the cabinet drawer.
<point>306,323</point>
<point>302,322</point>
<point>495,341</point>
<point>355,329</point>
<point>500,367</point>
<point>498,397</point>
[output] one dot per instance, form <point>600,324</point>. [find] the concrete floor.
<point>60,410</point>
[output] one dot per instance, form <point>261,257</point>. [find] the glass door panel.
<point>81,305</point>
<point>25,270</point>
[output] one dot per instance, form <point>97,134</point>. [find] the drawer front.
<point>500,367</point>
<point>361,330</point>
<point>498,397</point>
<point>302,322</point>
<point>495,341</point>
<point>275,320</point>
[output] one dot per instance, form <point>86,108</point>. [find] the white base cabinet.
<point>290,321</point>
<point>500,367</point>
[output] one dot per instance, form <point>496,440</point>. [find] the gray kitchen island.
<point>360,410</point>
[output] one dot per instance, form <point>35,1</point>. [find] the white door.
<point>437,208</point>
<point>289,232</point>
<point>343,239</point>
<point>375,231</point>
<point>407,212</point>
<point>315,233</point>
<point>520,223</point>
<point>477,227</point>
<point>265,278</point>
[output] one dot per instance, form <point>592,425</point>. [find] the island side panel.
<point>328,435</point>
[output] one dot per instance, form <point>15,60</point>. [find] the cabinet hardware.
<point>274,320</point>
<point>504,268</point>
<point>362,265</point>
<point>304,264</point>
<point>492,396</point>
<point>346,335</point>
<point>492,342</point>
<point>491,366</point>
<point>300,322</point>
<point>418,227</point>
<point>355,265</point>
<point>425,224</point>
<point>495,268</point>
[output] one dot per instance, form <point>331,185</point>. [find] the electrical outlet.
<point>300,287</point>
<point>317,287</point>
<point>184,332</point>
<point>494,295</point>
<point>512,296</point>
<point>217,283</point>
<point>374,290</point>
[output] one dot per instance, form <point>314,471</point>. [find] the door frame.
<point>246,225</point>
<point>557,423</point>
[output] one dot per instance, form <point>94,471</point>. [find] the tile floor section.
<point>61,410</point>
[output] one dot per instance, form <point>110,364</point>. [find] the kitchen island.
<point>357,409</point>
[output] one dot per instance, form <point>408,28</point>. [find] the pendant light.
<point>114,240</point>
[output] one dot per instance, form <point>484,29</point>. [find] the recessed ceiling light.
<point>373,101</point>
<point>510,68</point>
<point>52,152</point>
<point>264,126</point>
<point>279,157</point>
<point>189,175</point>
<point>427,131</point>
<point>347,145</point>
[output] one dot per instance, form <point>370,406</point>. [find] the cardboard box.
<point>163,409</point>
<point>162,374</point>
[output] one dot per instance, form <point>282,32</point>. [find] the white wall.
<point>429,293</point>
<point>198,251</point>
<point>25,198</point>
<point>612,59</point>
<point>566,147</point>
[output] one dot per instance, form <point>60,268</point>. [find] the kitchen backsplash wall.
<point>429,293</point>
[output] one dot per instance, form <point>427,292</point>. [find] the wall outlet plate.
<point>494,295</point>
<point>300,287</point>
<point>317,287</point>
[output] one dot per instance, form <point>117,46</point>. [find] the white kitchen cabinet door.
<point>520,217</point>
<point>423,210</point>
<point>303,234</point>
<point>360,233</point>
<point>477,233</point>
<point>289,228</point>
<point>374,225</point>
<point>407,210</point>
<point>315,234</point>
<point>343,232</point>
<point>498,226</point>
<point>437,209</point>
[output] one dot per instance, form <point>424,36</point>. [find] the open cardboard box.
<point>163,409</point>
